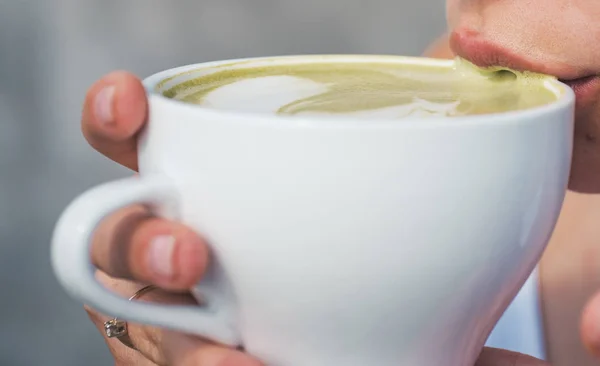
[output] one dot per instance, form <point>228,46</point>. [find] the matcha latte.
<point>372,86</point>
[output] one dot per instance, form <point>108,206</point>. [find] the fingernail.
<point>161,255</point>
<point>103,105</point>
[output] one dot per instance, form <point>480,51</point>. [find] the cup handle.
<point>71,244</point>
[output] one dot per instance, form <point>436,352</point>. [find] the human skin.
<point>132,248</point>
<point>558,37</point>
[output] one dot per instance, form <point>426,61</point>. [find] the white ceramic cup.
<point>339,241</point>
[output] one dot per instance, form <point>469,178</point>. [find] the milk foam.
<point>265,94</point>
<point>369,90</point>
<point>270,94</point>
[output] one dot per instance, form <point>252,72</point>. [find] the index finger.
<point>114,111</point>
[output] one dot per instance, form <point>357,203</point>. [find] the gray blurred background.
<point>50,53</point>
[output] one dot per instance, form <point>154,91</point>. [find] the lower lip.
<point>584,88</point>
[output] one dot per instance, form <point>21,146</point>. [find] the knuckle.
<point>113,250</point>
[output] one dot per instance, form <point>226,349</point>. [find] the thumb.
<point>501,357</point>
<point>184,350</point>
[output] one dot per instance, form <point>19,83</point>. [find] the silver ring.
<point>116,328</point>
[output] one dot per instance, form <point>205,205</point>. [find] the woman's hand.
<point>133,248</point>
<point>159,347</point>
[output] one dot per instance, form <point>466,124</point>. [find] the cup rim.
<point>565,98</point>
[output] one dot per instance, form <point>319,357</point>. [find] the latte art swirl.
<point>363,89</point>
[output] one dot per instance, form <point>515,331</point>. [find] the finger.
<point>114,111</point>
<point>145,340</point>
<point>590,325</point>
<point>499,357</point>
<point>182,350</point>
<point>123,355</point>
<point>132,244</point>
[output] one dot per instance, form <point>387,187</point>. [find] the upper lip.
<point>470,45</point>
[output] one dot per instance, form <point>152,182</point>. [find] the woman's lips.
<point>470,45</point>
<point>585,88</point>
